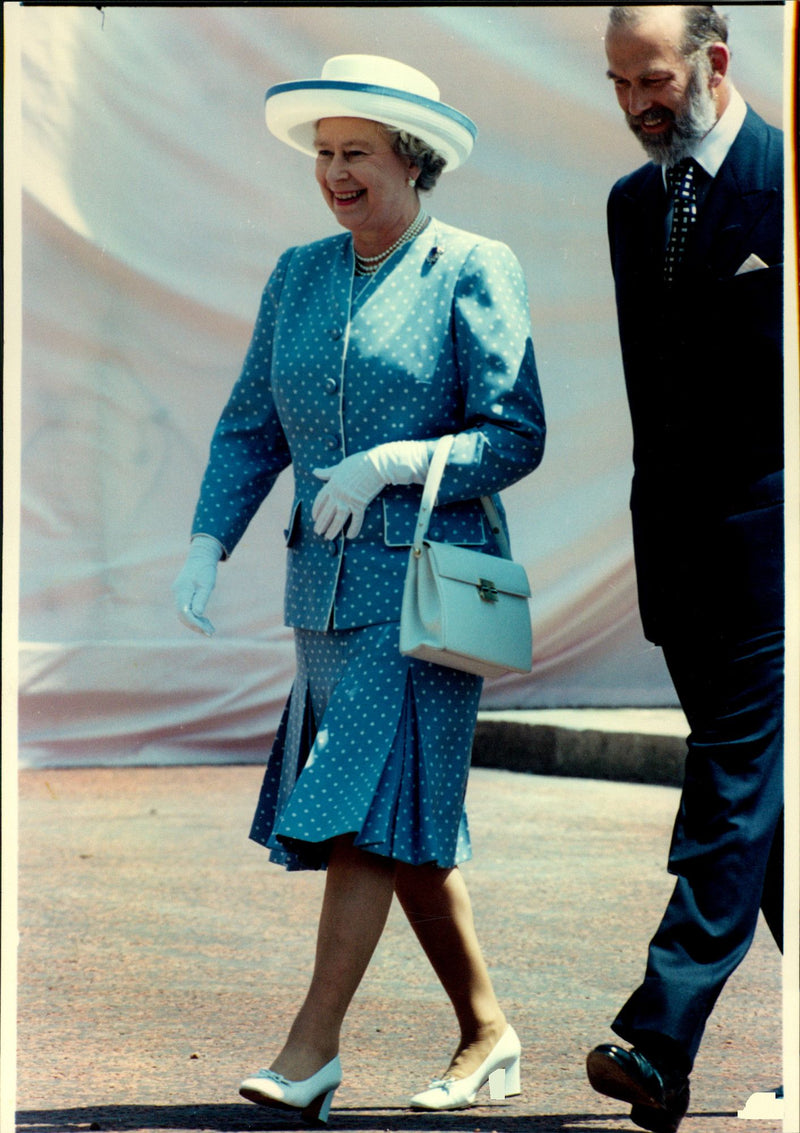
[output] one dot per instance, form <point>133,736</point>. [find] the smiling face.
<point>670,101</point>
<point>364,182</point>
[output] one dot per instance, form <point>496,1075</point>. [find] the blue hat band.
<point>387,92</point>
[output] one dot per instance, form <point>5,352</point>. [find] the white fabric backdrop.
<point>154,204</point>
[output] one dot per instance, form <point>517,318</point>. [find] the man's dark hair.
<point>703,24</point>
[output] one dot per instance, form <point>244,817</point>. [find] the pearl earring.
<point>411,182</point>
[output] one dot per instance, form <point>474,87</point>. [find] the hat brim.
<point>293,109</point>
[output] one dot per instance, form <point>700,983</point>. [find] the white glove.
<point>192,588</point>
<point>354,483</point>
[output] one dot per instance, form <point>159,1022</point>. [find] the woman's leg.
<point>439,910</point>
<point>358,893</point>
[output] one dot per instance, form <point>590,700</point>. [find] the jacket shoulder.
<point>326,248</point>
<point>465,242</point>
<point>632,184</point>
<point>758,125</point>
<point>758,134</point>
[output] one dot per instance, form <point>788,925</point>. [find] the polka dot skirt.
<point>371,743</point>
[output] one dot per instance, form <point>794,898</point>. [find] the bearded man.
<point>699,291</point>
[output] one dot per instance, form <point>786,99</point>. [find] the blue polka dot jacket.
<point>437,341</point>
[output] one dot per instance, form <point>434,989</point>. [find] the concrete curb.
<point>586,753</point>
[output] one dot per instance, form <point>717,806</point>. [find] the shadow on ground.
<point>230,1118</point>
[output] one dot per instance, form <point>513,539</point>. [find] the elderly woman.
<point>369,346</point>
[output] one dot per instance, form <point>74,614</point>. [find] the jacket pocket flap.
<point>460,522</point>
<point>291,533</point>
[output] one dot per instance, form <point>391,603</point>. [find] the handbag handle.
<point>428,502</point>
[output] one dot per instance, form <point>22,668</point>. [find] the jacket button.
<point>332,441</point>
<point>336,333</point>
<point>333,548</point>
<point>331,385</point>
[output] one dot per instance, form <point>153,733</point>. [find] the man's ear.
<point>720,57</point>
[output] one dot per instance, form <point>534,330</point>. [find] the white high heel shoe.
<point>500,1069</point>
<point>311,1095</point>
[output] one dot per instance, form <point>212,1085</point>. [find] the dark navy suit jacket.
<point>704,375</point>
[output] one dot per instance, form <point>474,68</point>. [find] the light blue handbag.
<point>461,608</point>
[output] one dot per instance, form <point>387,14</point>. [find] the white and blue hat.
<point>372,87</point>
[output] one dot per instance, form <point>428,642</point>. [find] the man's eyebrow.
<point>648,73</point>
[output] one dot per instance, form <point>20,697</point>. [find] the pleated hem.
<point>394,779</point>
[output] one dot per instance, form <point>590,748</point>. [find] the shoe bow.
<point>273,1077</point>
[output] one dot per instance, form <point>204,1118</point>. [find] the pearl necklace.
<point>368,265</point>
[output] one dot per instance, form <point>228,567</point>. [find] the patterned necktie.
<point>682,188</point>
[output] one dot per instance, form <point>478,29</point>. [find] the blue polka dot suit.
<point>437,341</point>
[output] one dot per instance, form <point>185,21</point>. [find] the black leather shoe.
<point>659,1097</point>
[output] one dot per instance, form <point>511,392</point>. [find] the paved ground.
<point>161,958</point>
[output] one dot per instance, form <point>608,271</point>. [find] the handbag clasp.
<point>487,590</point>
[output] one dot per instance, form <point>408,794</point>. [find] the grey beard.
<point>687,129</point>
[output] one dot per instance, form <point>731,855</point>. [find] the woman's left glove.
<point>192,588</point>
<point>353,484</point>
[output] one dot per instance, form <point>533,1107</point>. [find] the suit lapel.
<point>737,200</point>
<point>641,231</point>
